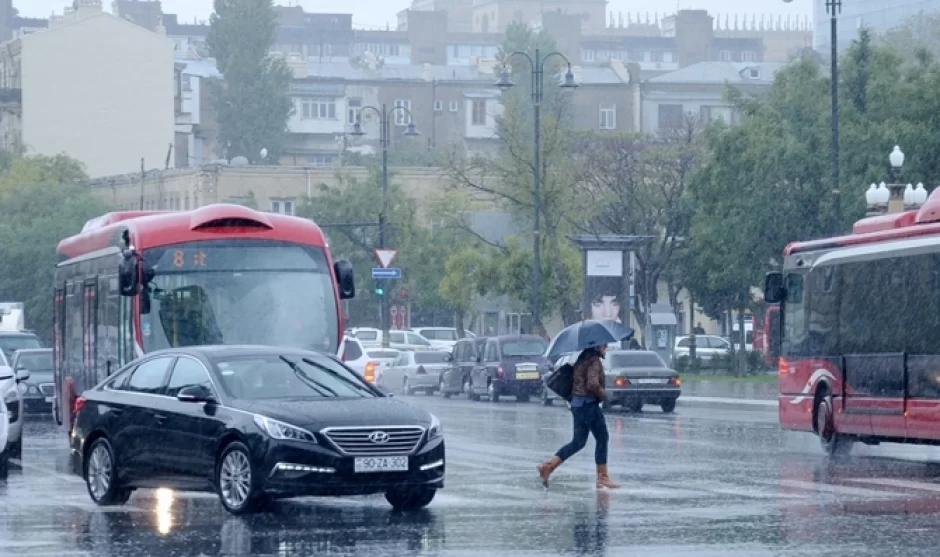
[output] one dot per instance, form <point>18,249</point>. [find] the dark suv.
<point>40,386</point>
<point>463,358</point>
<point>510,366</point>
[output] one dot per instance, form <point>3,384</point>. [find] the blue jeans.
<point>588,418</point>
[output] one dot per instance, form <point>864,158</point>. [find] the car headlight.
<point>435,430</point>
<point>280,430</point>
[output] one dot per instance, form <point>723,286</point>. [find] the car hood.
<point>641,372</point>
<point>316,414</point>
<point>40,377</point>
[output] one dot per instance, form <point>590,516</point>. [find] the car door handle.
<point>117,411</point>
<point>160,417</point>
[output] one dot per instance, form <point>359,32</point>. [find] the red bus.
<point>860,332</point>
<point>137,281</point>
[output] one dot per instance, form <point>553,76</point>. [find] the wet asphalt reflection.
<point>705,482</point>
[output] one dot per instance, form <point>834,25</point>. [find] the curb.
<point>736,403</point>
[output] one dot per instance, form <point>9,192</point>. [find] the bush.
<point>684,365</point>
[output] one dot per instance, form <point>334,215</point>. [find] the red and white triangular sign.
<point>386,256</point>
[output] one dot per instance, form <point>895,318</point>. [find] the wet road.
<point>705,482</point>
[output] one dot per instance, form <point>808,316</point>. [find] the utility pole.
<point>143,176</point>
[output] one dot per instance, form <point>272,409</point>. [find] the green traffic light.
<point>379,292</point>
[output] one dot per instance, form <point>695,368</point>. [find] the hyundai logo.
<point>378,437</point>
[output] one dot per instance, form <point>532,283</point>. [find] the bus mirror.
<point>773,288</point>
<point>129,275</point>
<point>345,279</point>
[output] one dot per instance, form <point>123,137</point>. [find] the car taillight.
<point>499,371</point>
<point>370,372</point>
<point>676,381</point>
<point>77,407</point>
<point>621,382</point>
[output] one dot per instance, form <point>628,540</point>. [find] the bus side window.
<point>74,331</point>
<point>108,320</point>
<point>794,321</point>
<point>125,329</point>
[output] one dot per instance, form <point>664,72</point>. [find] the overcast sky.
<point>376,13</point>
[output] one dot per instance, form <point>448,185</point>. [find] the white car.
<point>441,338</point>
<point>12,395</point>
<point>353,354</point>
<point>368,336</point>
<point>706,347</point>
<point>416,371</point>
<point>383,357</point>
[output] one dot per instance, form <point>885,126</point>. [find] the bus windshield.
<point>240,292</point>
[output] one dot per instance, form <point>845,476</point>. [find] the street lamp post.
<point>505,82</point>
<point>384,140</point>
<point>895,197</point>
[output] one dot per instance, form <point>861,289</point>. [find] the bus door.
<point>875,389</point>
<point>58,351</point>
<point>89,336</point>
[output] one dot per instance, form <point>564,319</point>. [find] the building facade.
<point>877,15</point>
<point>110,122</point>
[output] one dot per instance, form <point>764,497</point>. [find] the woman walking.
<point>587,394</point>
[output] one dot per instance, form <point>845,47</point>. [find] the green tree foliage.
<point>43,202</point>
<point>506,178</point>
<point>251,100</point>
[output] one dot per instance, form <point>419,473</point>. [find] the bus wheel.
<point>833,443</point>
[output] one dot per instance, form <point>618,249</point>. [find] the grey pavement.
<point>704,482</point>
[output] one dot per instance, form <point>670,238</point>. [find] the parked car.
<point>382,358</point>
<point>10,342</point>
<point>441,338</point>
<point>408,340</point>
<point>40,383</point>
<point>354,355</point>
<point>638,377</point>
<point>463,358</point>
<point>706,347</point>
<point>416,371</point>
<point>368,336</point>
<point>252,424</point>
<point>511,365</point>
<point>12,389</point>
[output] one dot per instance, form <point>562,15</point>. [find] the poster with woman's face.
<point>604,295</point>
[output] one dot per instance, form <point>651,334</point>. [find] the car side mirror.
<point>22,374</point>
<point>774,291</point>
<point>449,358</point>
<point>195,393</point>
<point>345,279</point>
<point>129,273</point>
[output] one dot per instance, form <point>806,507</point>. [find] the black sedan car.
<point>40,385</point>
<point>511,365</point>
<point>638,377</point>
<point>252,424</point>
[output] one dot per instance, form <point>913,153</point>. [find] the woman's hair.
<point>597,287</point>
<point>586,354</point>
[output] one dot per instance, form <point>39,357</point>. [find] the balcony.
<point>11,98</point>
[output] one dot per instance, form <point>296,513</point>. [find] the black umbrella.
<point>588,334</point>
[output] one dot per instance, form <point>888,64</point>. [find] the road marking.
<point>732,401</point>
<point>904,484</point>
<point>833,489</point>
<point>54,473</point>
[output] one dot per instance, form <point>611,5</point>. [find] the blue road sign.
<point>390,273</point>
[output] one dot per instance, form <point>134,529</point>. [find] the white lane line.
<point>731,401</point>
<point>833,489</point>
<point>904,484</point>
<point>54,473</point>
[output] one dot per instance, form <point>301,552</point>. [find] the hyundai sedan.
<point>252,424</point>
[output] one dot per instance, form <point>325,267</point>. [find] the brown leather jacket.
<point>589,377</point>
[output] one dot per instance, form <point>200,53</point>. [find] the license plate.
<point>650,381</point>
<point>382,464</point>
<point>49,399</point>
<point>528,375</point>
<point>527,367</point>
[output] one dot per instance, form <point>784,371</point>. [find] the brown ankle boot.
<point>546,468</point>
<point>603,478</point>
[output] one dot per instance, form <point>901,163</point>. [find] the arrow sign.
<point>386,256</point>
<point>385,273</point>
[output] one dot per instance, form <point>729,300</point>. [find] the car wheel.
<point>470,394</point>
<point>546,400</point>
<point>406,388</point>
<point>635,406</point>
<point>833,443</point>
<point>410,499</point>
<point>668,406</point>
<point>493,392</point>
<point>16,449</point>
<point>235,480</point>
<point>443,392</point>
<point>101,475</point>
<point>4,465</point>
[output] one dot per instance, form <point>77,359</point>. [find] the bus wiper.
<point>338,376</point>
<point>311,382</point>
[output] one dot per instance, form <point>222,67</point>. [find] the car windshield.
<point>11,343</point>
<point>240,292</point>
<point>523,348</point>
<point>634,359</point>
<point>430,357</point>
<point>41,361</point>
<point>367,335</point>
<point>289,376</point>
<point>439,334</point>
<point>383,354</point>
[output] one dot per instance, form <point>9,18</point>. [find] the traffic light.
<point>379,291</point>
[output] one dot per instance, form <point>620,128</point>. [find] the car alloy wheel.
<point>101,475</point>
<point>235,479</point>
<point>443,390</point>
<point>494,394</point>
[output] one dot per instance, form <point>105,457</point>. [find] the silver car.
<point>416,371</point>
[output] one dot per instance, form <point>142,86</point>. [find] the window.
<point>753,73</point>
<point>186,373</point>
<point>320,160</point>
<point>608,115</point>
<point>454,106</point>
<point>724,55</point>
<point>402,112</point>
<point>351,351</point>
<point>478,114</point>
<point>492,353</point>
<point>588,55</point>
<point>289,376</point>
<point>417,340</point>
<point>318,109</point>
<point>353,106</point>
<point>438,106</point>
<point>396,337</point>
<point>282,206</point>
<point>431,357</point>
<point>148,377</point>
<point>670,116</point>
<point>794,320</point>
<point>669,57</point>
<point>749,56</point>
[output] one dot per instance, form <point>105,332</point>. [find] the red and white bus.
<point>860,332</point>
<point>137,281</point>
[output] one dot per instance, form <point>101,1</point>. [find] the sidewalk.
<point>724,394</point>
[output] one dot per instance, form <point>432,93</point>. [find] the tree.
<point>43,202</point>
<point>252,99</point>
<point>506,179</point>
<point>465,279</point>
